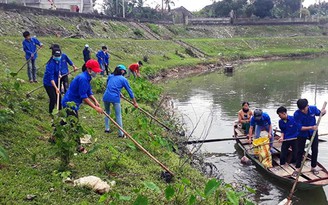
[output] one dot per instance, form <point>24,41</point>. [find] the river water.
<point>216,97</point>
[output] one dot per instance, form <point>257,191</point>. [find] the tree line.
<point>242,9</point>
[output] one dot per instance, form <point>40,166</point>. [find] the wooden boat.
<point>307,179</point>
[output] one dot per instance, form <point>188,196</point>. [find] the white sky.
<point>196,5</point>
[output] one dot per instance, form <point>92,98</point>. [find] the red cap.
<point>93,65</point>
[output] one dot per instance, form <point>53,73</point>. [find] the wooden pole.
<point>58,94</point>
<point>212,140</point>
<point>147,113</point>
<point>138,145</point>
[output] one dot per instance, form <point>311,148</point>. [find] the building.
<point>181,15</point>
<point>81,6</point>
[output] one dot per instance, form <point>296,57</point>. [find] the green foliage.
<point>144,91</point>
<point>154,28</point>
<point>67,135</point>
<point>223,8</point>
<point>169,192</point>
<point>152,186</point>
<point>3,154</point>
<point>210,187</point>
<point>11,98</point>
<point>138,32</point>
<point>320,9</point>
<point>6,114</point>
<point>262,8</point>
<point>98,84</point>
<point>141,200</point>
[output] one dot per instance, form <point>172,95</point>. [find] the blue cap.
<point>122,67</point>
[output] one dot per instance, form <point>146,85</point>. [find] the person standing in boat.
<point>244,117</point>
<point>305,116</point>
<point>289,132</point>
<point>259,122</point>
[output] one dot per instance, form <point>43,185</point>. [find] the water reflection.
<point>267,85</point>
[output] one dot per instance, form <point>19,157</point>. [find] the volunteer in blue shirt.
<point>86,53</point>
<point>261,121</point>
<point>30,47</point>
<point>116,81</point>
<point>289,132</point>
<point>80,89</point>
<point>65,61</point>
<point>305,116</point>
<point>103,59</point>
<point>50,78</point>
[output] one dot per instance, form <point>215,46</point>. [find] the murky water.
<point>217,97</point>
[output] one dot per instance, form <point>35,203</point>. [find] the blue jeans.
<point>31,70</point>
<point>118,115</point>
<point>102,67</point>
<point>133,73</point>
<point>258,130</point>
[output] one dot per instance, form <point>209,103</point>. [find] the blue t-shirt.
<point>64,61</point>
<point>306,120</point>
<point>29,46</point>
<point>51,73</point>
<point>289,127</point>
<point>114,87</point>
<point>103,58</point>
<point>78,90</point>
<point>264,121</point>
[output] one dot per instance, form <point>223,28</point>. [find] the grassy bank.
<point>26,126</point>
<point>243,48</point>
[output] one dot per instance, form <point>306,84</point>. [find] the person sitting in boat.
<point>244,116</point>
<point>289,132</point>
<point>260,121</point>
<point>305,116</point>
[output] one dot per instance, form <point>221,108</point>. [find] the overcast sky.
<point>196,5</point>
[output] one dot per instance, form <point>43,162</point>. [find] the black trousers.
<point>106,68</point>
<point>284,151</point>
<point>51,91</point>
<point>64,82</point>
<point>314,148</point>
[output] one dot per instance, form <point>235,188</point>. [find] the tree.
<point>223,8</point>
<point>319,9</point>
<point>167,4</point>
<point>287,8</point>
<point>262,8</point>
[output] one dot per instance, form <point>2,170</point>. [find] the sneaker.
<point>121,136</point>
<point>31,81</point>
<point>108,131</point>
<point>35,81</point>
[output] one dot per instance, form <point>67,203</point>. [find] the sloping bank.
<point>25,128</point>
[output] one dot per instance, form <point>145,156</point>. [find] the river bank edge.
<point>213,65</point>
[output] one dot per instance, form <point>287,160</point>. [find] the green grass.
<point>33,163</point>
<point>24,134</point>
<point>260,47</point>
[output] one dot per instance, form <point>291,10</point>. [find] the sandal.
<point>295,173</point>
<point>315,171</point>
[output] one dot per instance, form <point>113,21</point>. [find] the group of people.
<point>103,58</point>
<point>295,130</point>
<point>55,80</point>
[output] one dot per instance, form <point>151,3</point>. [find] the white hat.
<point>86,45</point>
